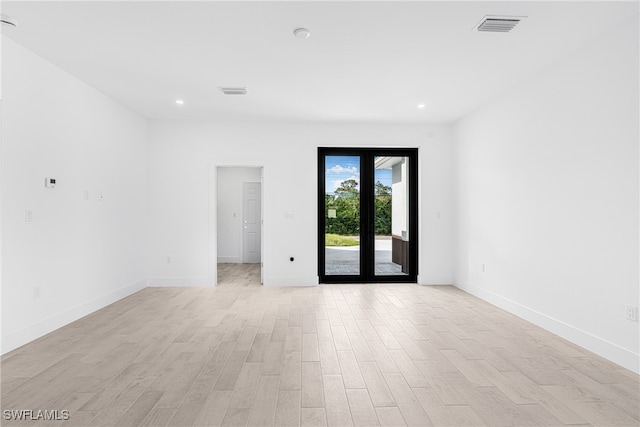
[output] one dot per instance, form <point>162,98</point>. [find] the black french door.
<point>367,215</point>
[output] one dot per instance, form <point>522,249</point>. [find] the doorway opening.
<point>239,225</point>
<point>367,215</point>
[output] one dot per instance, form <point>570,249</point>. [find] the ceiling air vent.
<point>498,24</point>
<point>233,90</point>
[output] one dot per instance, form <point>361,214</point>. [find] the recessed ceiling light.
<point>421,106</point>
<point>301,33</point>
<point>179,102</point>
<point>8,21</point>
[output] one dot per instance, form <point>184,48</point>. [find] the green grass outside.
<point>336,240</point>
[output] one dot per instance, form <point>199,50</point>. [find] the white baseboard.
<point>50,324</point>
<point>291,281</point>
<point>435,281</point>
<point>178,282</point>
<point>613,352</point>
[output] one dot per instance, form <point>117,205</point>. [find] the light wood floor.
<point>364,355</point>
<point>239,274</point>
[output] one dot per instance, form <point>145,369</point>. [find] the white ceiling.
<point>364,61</point>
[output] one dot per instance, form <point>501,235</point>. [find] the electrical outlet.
<point>168,260</point>
<point>36,292</point>
<point>482,268</point>
<point>28,215</point>
<point>50,182</point>
<point>631,313</point>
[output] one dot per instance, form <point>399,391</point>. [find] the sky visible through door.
<point>343,168</point>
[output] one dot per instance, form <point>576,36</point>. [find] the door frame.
<point>367,238</point>
<point>213,217</point>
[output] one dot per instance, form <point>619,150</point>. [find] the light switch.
<point>289,215</point>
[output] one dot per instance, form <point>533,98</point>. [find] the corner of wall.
<point>19,338</point>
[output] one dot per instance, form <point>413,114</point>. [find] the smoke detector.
<point>233,90</point>
<point>8,21</point>
<point>498,24</point>
<point>301,33</point>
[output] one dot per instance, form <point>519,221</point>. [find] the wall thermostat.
<point>50,182</point>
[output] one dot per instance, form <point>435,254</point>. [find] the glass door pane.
<point>391,215</point>
<point>342,216</point>
<point>367,215</point>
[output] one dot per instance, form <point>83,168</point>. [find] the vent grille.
<point>492,24</point>
<point>233,90</point>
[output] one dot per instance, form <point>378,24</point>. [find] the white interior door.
<point>251,222</point>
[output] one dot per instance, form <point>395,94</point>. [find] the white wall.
<point>82,254</point>
<point>229,210</point>
<point>546,196</point>
<point>182,156</point>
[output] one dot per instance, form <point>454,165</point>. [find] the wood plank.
<point>258,348</point>
<point>290,378</point>
<point>310,351</point>
<point>263,409</point>
<point>376,384</point>
<point>288,409</point>
<point>140,409</point>
<point>340,337</point>
<point>244,389</point>
<point>192,403</point>
<point>408,368</point>
<point>231,371</point>
<point>313,417</point>
<point>360,348</point>
<point>390,416</point>
<point>410,407</point>
<point>312,388</point>
<point>214,409</point>
<point>236,417</point>
<point>362,410</point>
<point>273,357</point>
<point>336,403</point>
<point>383,357</point>
<point>350,370</point>
<point>329,359</point>
<point>159,417</point>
